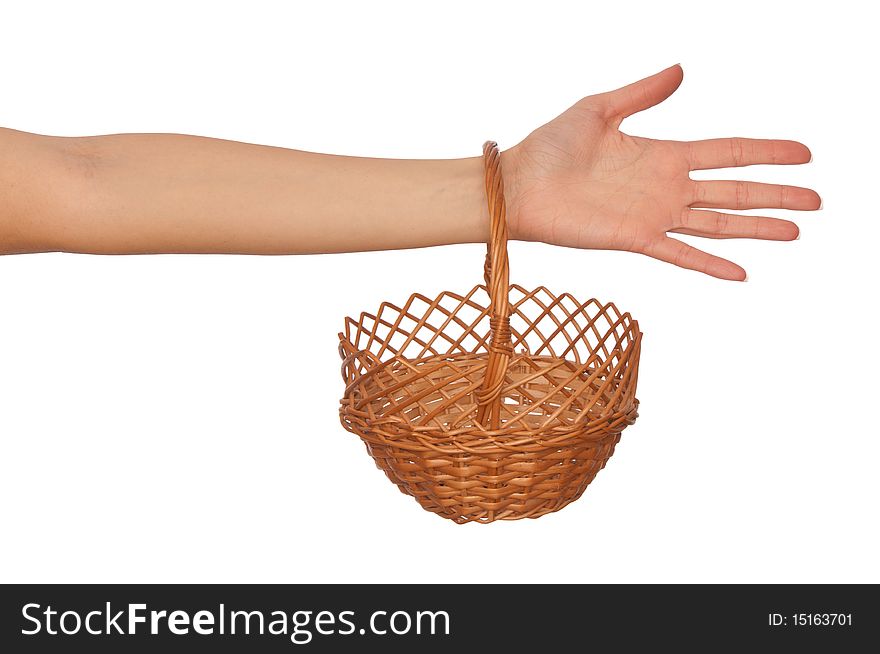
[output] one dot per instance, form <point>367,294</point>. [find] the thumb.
<point>640,95</point>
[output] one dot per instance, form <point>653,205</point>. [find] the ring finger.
<point>714,224</point>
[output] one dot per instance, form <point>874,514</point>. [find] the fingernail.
<point>798,237</point>
<point>821,203</point>
<point>746,278</point>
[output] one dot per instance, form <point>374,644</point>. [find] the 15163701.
<point>810,620</point>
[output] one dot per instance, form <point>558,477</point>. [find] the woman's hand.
<point>579,181</point>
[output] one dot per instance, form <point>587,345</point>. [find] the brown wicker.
<point>501,403</point>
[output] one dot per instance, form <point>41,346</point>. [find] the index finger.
<point>736,152</point>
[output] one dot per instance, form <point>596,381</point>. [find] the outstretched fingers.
<point>715,224</point>
<point>735,152</point>
<point>681,254</point>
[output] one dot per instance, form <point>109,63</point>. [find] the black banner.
<point>334,618</point>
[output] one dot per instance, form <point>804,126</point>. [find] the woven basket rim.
<point>497,441</point>
<point>467,299</point>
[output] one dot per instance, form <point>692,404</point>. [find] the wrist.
<point>510,178</point>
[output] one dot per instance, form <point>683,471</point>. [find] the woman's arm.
<point>142,193</point>
<point>577,181</point>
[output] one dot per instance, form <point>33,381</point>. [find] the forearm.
<point>140,193</point>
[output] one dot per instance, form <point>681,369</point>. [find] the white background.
<point>173,418</point>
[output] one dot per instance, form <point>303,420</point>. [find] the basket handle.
<point>497,274</point>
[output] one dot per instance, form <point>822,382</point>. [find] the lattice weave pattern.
<point>502,403</point>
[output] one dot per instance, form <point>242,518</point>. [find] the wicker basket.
<point>501,403</point>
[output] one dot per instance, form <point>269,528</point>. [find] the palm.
<point>601,189</point>
<point>578,181</point>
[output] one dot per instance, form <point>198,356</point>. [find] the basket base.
<point>512,486</point>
